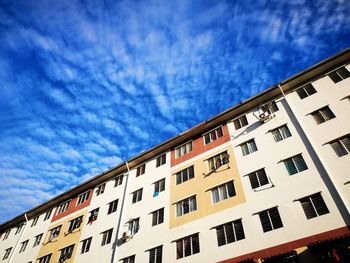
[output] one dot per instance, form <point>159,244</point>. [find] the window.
<point>83,197</point>
<point>270,219</point>
<point>100,189</point>
<point>85,245</point>
<point>7,233</point>
<point>141,169</point>
<point>63,207</point>
<point>185,175</point>
<point>45,259</point>
<point>339,74</point>
<point>7,253</point>
<point>118,180</point>
<point>23,246</point>
<point>273,107</point>
<point>223,192</point>
<point>37,239</point>
<point>19,228</point>
<point>112,207</point>
<point>48,214</point>
<point>134,225</point>
<point>341,146</point>
<point>322,115</point>
<point>137,196</point>
<point>306,91</point>
<point>229,232</point>
<point>130,259</point>
<point>248,147</point>
<point>314,206</point>
<point>158,217</point>
<point>281,133</point>
<point>186,206</point>
<point>183,149</point>
<point>258,178</point>
<point>54,233</point>
<point>35,220</point>
<point>213,135</point>
<point>155,255</point>
<point>75,223</point>
<point>295,164</point>
<point>93,215</point>
<point>159,186</point>
<point>216,161</point>
<point>161,160</point>
<point>66,253</point>
<point>240,122</point>
<point>106,237</point>
<point>187,246</point>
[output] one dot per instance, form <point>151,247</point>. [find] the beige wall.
<point>201,184</point>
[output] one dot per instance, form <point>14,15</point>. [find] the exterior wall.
<point>326,174</point>
<point>331,94</point>
<point>286,188</point>
<point>72,207</point>
<point>198,147</point>
<point>64,239</point>
<point>30,253</point>
<point>200,185</point>
<point>148,236</point>
<point>98,253</point>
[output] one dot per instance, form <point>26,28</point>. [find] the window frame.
<point>66,250</point>
<point>158,217</point>
<point>258,178</point>
<point>190,240</point>
<point>75,223</point>
<point>112,206</point>
<point>183,149</point>
<point>336,77</point>
<point>161,160</point>
<point>85,245</point>
<point>19,228</point>
<point>283,135</point>
<point>320,116</point>
<point>63,207</point>
<point>238,122</point>
<point>296,167</point>
<point>188,173</point>
<point>137,196</point>
<point>24,245</point>
<point>100,189</point>
<point>270,213</point>
<point>118,180</point>
<point>93,217</point>
<point>311,206</point>
<point>159,186</point>
<point>141,169</point>
<point>208,136</point>
<point>6,234</point>
<point>37,239</point>
<point>218,195</point>
<point>45,259</point>
<point>341,149</point>
<point>307,89</point>
<point>106,237</point>
<point>192,207</point>
<point>82,198</point>
<point>218,160</point>
<point>52,231</point>
<point>48,214</point>
<point>235,226</point>
<point>154,255</point>
<point>7,253</point>
<point>129,259</point>
<point>246,147</point>
<point>35,221</point>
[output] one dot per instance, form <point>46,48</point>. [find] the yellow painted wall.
<point>62,240</point>
<point>200,186</point>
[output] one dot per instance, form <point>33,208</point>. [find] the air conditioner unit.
<point>265,112</point>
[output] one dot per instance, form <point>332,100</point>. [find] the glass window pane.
<point>291,169</point>
<point>276,135</point>
<point>339,148</point>
<point>300,163</point>
<point>346,142</point>
<point>302,93</point>
<point>285,132</point>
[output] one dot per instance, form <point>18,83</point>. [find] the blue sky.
<point>85,85</point>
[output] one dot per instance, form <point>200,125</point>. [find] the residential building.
<point>264,181</point>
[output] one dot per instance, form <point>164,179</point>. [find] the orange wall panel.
<point>198,147</point>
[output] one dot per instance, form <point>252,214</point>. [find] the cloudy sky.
<point>85,85</point>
